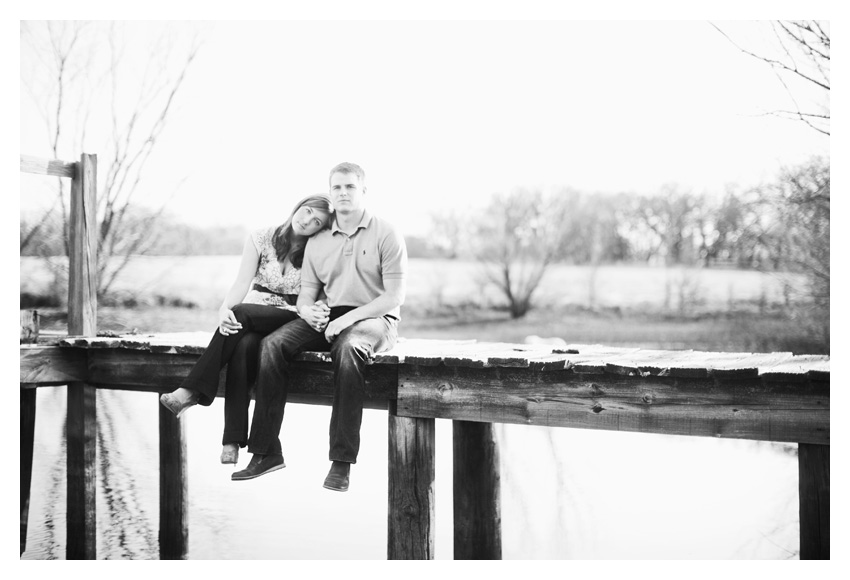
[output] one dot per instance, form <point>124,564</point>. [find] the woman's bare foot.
<point>230,453</point>
<point>179,401</point>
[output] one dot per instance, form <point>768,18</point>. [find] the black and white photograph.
<point>442,285</point>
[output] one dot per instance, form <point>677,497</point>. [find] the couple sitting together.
<point>330,278</point>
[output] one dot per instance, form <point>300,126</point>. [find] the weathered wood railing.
<point>770,397</point>
<point>82,320</point>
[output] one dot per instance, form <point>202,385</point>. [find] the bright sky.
<point>444,113</point>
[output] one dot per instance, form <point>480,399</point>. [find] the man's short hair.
<point>347,167</point>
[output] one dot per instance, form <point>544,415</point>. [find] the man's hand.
<point>337,326</point>
<point>316,315</point>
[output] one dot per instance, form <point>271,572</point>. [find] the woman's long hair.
<point>289,244</point>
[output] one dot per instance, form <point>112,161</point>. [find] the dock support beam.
<point>27,439</point>
<point>477,507</point>
<point>173,487</point>
<point>81,438</point>
<point>410,514</point>
<point>814,501</point>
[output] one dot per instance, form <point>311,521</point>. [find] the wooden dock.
<point>767,397</point>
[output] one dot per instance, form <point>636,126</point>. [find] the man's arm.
<point>393,296</point>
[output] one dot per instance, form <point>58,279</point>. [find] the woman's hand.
<point>227,323</point>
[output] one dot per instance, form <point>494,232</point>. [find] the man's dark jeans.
<point>351,351</point>
<point>240,352</point>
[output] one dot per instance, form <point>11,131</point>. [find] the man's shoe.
<point>259,465</point>
<point>337,479</point>
<point>175,405</point>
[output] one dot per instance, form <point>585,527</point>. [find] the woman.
<point>261,300</point>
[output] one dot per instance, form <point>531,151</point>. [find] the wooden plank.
<point>550,362</point>
<point>489,354</point>
<point>411,471</point>
<point>476,492</point>
<point>474,355</point>
<point>81,436</point>
<point>52,365</point>
<point>745,409</point>
<point>40,166</point>
<point>173,342</point>
<point>814,501</point>
<point>796,368</point>
<point>742,365</point>
<point>584,359</point>
<point>149,371</point>
<point>173,487</point>
<point>426,352</point>
<point>594,359</point>
<point>28,401</point>
<point>82,272</point>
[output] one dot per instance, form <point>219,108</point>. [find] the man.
<point>360,263</point>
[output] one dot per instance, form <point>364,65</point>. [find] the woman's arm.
<point>314,312</point>
<point>247,270</point>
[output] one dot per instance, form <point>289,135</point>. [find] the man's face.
<point>346,192</point>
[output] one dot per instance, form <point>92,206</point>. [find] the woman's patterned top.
<point>269,274</point>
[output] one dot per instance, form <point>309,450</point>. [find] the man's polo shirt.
<point>352,269</point>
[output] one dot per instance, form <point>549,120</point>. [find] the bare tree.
<point>81,75</point>
<point>801,54</point>
<point>664,225</point>
<point>448,232</point>
<point>801,198</point>
<point>517,238</point>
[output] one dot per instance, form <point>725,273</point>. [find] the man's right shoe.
<point>259,465</point>
<point>337,479</point>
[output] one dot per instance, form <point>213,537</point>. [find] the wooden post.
<point>173,487</point>
<point>27,439</point>
<point>80,434</point>
<point>82,274</point>
<point>81,424</point>
<point>477,507</point>
<point>814,501</point>
<point>29,326</point>
<point>29,335</point>
<point>410,525</point>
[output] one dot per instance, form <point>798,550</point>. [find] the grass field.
<point>650,307</point>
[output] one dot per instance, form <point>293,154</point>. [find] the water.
<point>566,493</point>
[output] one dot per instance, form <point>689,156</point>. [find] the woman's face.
<point>309,220</point>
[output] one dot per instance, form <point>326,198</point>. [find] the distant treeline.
<point>783,224</point>
<point>168,237</point>
<point>779,225</point>
<point>165,237</point>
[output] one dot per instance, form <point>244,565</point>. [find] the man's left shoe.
<point>259,465</point>
<point>337,479</point>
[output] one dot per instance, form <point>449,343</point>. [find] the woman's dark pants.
<point>240,352</point>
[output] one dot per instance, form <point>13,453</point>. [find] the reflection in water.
<point>566,493</point>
